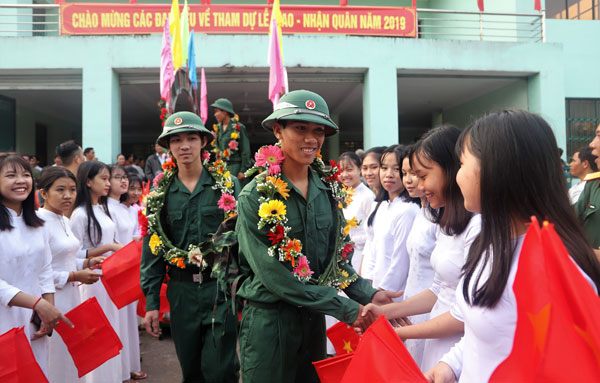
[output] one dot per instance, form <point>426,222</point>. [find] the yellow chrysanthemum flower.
<point>154,243</point>
<point>228,183</point>
<point>227,174</point>
<point>234,135</point>
<point>353,222</point>
<point>274,208</point>
<point>344,284</point>
<point>281,185</point>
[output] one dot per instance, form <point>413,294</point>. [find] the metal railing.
<point>484,26</point>
<point>29,19</point>
<point>44,20</point>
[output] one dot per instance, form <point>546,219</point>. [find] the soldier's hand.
<point>383,297</point>
<point>241,176</point>
<point>363,320</point>
<point>151,324</point>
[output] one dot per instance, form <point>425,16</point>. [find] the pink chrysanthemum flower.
<point>270,156</point>
<point>157,179</point>
<point>303,270</point>
<point>205,155</point>
<point>226,202</point>
<point>233,145</point>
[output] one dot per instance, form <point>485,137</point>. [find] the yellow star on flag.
<point>540,323</point>
<point>348,347</point>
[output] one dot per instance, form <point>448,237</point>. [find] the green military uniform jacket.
<point>240,159</point>
<point>587,209</point>
<point>190,218</point>
<point>312,221</point>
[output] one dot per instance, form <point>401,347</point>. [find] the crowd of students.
<point>442,220</point>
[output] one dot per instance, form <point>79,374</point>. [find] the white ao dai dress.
<point>360,208</point>
<point>419,244</point>
<point>128,332</point>
<point>25,266</point>
<point>447,259</point>
<point>67,256</point>
<point>111,370</point>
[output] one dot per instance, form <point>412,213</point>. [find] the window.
<point>583,116</point>
<point>572,9</point>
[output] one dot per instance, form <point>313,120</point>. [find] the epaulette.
<point>592,176</point>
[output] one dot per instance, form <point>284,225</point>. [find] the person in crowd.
<point>71,156</point>
<point>231,142</point>
<point>486,303</point>
<point>205,341</point>
<point>391,221</point>
<point>582,164</point>
<point>34,162</point>
<point>70,268</point>
<point>419,244</point>
<point>57,160</point>
<point>93,226</point>
<point>436,163</point>
<point>131,200</point>
<point>26,280</point>
<point>89,153</point>
<point>135,165</point>
<point>121,160</point>
<point>154,162</point>
<point>349,164</point>
<point>283,327</point>
<point>126,231</point>
<point>370,168</point>
<point>589,200</point>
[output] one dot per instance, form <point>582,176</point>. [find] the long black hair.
<point>438,145</point>
<point>400,152</point>
<point>28,205</point>
<point>87,171</point>
<point>535,186</point>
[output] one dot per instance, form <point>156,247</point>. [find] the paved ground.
<point>159,360</point>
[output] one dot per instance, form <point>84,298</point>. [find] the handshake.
<point>369,313</point>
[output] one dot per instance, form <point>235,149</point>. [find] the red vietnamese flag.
<point>382,357</point>
<point>164,303</point>
<point>92,341</point>
<point>18,365</point>
<point>537,5</point>
<point>480,5</point>
<point>121,274</point>
<point>558,316</point>
<point>343,337</point>
<point>332,370</point>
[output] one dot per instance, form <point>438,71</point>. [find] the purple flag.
<point>167,74</point>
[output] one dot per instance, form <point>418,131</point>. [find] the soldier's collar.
<point>592,176</point>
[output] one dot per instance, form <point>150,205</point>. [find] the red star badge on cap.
<point>178,121</point>
<point>310,104</point>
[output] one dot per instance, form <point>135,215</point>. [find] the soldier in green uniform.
<point>231,140</point>
<point>206,350</point>
<point>588,205</point>
<point>283,325</point>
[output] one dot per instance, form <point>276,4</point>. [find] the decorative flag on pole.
<point>538,5</point>
<point>558,316</point>
<point>121,274</point>
<point>175,29</point>
<point>185,33</point>
<point>480,5</point>
<point>277,77</point>
<point>343,337</point>
<point>331,370</point>
<point>192,61</point>
<point>92,341</point>
<point>18,364</point>
<point>343,3</point>
<point>167,76</point>
<point>203,98</point>
<point>382,357</point>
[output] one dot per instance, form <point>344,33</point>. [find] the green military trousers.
<point>279,342</point>
<point>204,355</point>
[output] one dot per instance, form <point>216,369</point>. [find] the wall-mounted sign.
<point>127,19</point>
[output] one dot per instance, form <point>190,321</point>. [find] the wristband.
<point>36,302</point>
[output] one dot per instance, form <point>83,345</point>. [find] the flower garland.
<point>155,202</point>
<point>273,191</point>
<point>233,144</point>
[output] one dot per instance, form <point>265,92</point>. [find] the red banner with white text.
<point>129,19</point>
